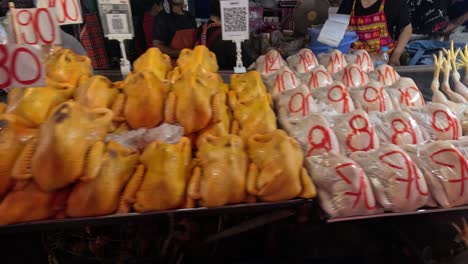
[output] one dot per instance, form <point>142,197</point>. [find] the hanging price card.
<point>67,11</point>
<point>36,26</point>
<point>20,66</point>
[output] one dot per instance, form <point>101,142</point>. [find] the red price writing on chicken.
<point>36,26</point>
<point>20,66</point>
<point>67,11</point>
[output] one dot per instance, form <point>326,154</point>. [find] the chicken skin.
<point>65,68</point>
<point>155,61</point>
<point>96,92</point>
<point>114,165</point>
<point>64,143</point>
<point>276,172</point>
<point>219,177</point>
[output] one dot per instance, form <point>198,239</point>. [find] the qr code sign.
<point>235,19</point>
<point>117,23</point>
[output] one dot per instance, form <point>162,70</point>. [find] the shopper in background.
<point>174,31</point>
<point>379,23</point>
<point>148,21</point>
<point>210,35</point>
<point>458,13</point>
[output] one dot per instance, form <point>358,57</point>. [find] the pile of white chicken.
<point>372,143</point>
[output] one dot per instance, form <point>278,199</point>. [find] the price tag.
<point>36,26</point>
<point>67,11</point>
<point>116,18</point>
<point>20,66</point>
<point>235,19</point>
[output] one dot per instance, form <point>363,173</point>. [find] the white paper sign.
<point>235,19</point>
<point>334,29</point>
<point>67,11</point>
<point>21,66</point>
<point>36,26</point>
<point>116,17</point>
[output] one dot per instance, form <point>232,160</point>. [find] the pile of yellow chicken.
<point>54,162</point>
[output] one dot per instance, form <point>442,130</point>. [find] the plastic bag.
<point>283,80</point>
<point>362,59</point>
<point>336,96</point>
<point>334,61</point>
<point>355,132</point>
<point>352,76</point>
<point>342,186</point>
<point>385,74</point>
<point>314,134</point>
<point>296,103</point>
<point>270,63</point>
<point>371,98</point>
<point>445,169</point>
<point>437,122</point>
<point>316,78</point>
<point>406,93</point>
<point>140,138</point>
<point>303,61</point>
<point>396,127</point>
<point>399,185</point>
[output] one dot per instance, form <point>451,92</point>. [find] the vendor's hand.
<point>395,60</point>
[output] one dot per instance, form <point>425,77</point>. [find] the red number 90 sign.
<point>68,11</point>
<point>36,26</point>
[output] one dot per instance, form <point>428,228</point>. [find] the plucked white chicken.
<point>303,61</point>
<point>437,122</point>
<point>283,80</point>
<point>399,185</point>
<point>336,96</point>
<point>313,134</point>
<point>352,76</point>
<point>355,132</point>
<point>296,103</point>
<point>371,98</point>
<point>385,74</point>
<point>406,93</point>
<point>362,58</point>
<point>342,186</point>
<point>396,127</point>
<point>270,63</point>
<point>445,169</point>
<point>453,96</point>
<point>318,77</point>
<point>334,61</point>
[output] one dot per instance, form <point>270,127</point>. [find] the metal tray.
<point>121,218</point>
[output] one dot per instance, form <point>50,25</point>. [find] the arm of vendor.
<point>379,23</point>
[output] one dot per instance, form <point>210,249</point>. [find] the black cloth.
<point>225,51</point>
<point>166,25</point>
<point>428,16</point>
<point>396,12</point>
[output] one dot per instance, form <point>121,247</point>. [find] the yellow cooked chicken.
<point>142,103</point>
<point>219,177</point>
<point>276,172</point>
<point>65,141</point>
<point>27,202</point>
<point>247,87</point>
<point>65,68</point>
<point>194,102</point>
<point>253,117</point>
<point>112,168</point>
<point>221,128</point>
<point>3,107</point>
<point>163,185</point>
<point>155,61</point>
<point>96,92</point>
<point>14,136</point>
<point>199,59</point>
<point>35,104</point>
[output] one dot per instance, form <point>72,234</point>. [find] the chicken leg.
<point>464,56</point>
<point>459,86</point>
<point>453,96</point>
